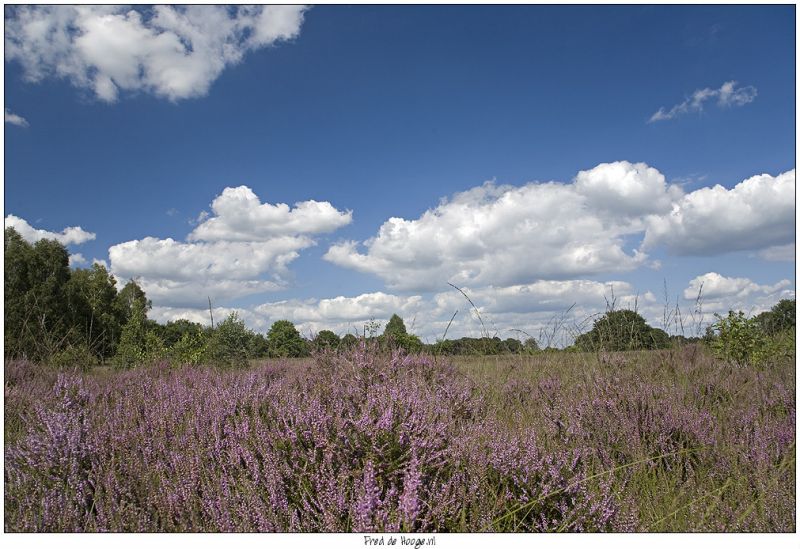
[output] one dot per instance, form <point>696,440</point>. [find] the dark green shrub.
<point>189,350</point>
<point>622,330</point>
<point>326,339</point>
<point>738,339</point>
<point>285,341</point>
<point>229,343</point>
<point>348,341</point>
<point>138,345</point>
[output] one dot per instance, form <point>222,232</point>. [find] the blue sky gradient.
<point>385,110</point>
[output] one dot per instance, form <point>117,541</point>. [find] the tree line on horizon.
<point>78,318</point>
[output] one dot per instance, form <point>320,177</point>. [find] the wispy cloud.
<point>728,95</point>
<point>17,120</point>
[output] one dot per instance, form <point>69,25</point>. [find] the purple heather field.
<point>367,440</point>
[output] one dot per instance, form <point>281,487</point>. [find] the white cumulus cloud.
<point>76,259</point>
<point>541,296</point>
<point>173,272</point>
<point>341,309</point>
<point>505,235</point>
<point>606,221</point>
<point>727,95</point>
<point>15,119</point>
<point>721,293</point>
<point>239,215</point>
<point>70,235</point>
<point>622,188</point>
<point>175,52</point>
<point>223,258</point>
<point>757,213</point>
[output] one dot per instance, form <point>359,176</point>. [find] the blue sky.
<point>129,126</point>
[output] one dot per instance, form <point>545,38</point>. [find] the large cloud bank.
<point>605,221</point>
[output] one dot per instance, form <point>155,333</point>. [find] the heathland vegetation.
<point>219,428</point>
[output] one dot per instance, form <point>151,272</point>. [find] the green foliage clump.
<point>175,330</point>
<point>35,277</point>
<point>189,350</point>
<point>285,341</point>
<point>348,341</point>
<point>780,318</point>
<point>138,345</point>
<point>515,346</point>
<point>395,335</point>
<point>529,346</point>
<point>622,330</point>
<point>326,339</point>
<point>777,347</point>
<point>737,338</point>
<point>258,346</point>
<point>395,327</point>
<point>93,310</point>
<point>129,299</point>
<point>229,344</point>
<point>58,315</point>
<point>483,346</point>
<point>756,341</point>
<point>408,342</point>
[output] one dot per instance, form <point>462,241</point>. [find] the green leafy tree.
<point>783,314</point>
<point>190,349</point>
<point>130,297</point>
<point>658,339</point>
<point>229,344</point>
<point>395,327</point>
<point>622,330</point>
<point>37,322</point>
<point>138,345</point>
<point>530,345</point>
<point>408,342</point>
<point>285,341</point>
<point>259,346</point>
<point>396,335</point>
<point>779,319</point>
<point>326,339</point>
<point>513,345</point>
<point>348,341</point>
<point>91,294</point>
<point>738,339</point>
<point>444,347</point>
<point>18,262</point>
<point>174,330</point>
